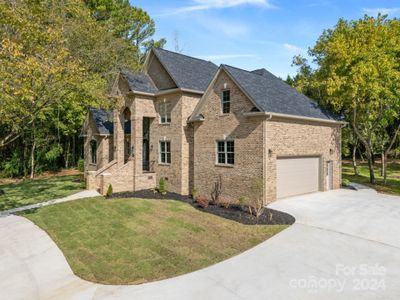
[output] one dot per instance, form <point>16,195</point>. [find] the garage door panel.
<point>296,176</point>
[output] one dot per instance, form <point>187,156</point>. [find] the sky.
<point>252,34</point>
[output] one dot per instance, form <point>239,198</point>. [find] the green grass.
<point>34,191</point>
<point>131,241</point>
<point>392,185</point>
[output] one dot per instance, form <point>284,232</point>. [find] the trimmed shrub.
<point>109,191</point>
<point>224,202</point>
<point>162,186</point>
<point>202,200</point>
<point>194,193</point>
<point>345,182</point>
<point>81,165</point>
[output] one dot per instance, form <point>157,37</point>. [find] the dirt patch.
<point>233,212</point>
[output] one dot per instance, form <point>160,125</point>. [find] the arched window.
<point>93,151</point>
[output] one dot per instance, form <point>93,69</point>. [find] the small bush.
<point>217,190</point>
<point>202,200</point>
<point>81,165</point>
<point>194,193</point>
<point>162,186</point>
<point>254,202</point>
<point>345,182</point>
<point>13,167</point>
<point>224,202</point>
<point>109,191</point>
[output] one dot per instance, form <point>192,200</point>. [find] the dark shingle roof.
<point>187,72</point>
<point>272,94</point>
<point>139,81</point>
<point>103,120</point>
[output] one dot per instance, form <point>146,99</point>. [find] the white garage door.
<point>296,176</point>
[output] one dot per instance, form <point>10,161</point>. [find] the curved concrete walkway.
<point>340,238</point>
<point>73,197</point>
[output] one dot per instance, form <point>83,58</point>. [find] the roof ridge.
<point>251,72</point>
<point>192,57</point>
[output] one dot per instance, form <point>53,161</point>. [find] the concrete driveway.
<point>344,245</point>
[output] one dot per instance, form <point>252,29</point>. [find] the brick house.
<point>195,124</point>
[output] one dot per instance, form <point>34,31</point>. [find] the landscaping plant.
<point>194,193</point>
<point>202,200</point>
<point>162,186</point>
<point>217,190</point>
<point>109,191</point>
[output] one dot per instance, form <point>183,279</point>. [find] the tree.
<point>39,74</point>
<point>358,75</point>
<point>130,23</point>
<point>57,59</point>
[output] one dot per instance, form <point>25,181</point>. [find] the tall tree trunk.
<point>67,153</point>
<point>384,168</point>
<point>383,164</point>
<point>388,149</point>
<point>73,151</point>
<point>371,168</point>
<point>354,158</point>
<point>33,159</point>
<point>367,145</point>
<point>361,155</point>
<point>25,159</point>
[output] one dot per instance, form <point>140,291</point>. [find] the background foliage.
<point>356,72</point>
<point>57,58</point>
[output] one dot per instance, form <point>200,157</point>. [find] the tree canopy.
<point>357,74</point>
<point>58,58</point>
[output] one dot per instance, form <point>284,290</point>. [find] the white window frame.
<point>223,102</point>
<point>165,115</point>
<point>225,153</point>
<point>166,153</point>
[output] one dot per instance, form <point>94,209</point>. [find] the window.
<point>165,152</point>
<point>165,116</point>
<point>226,102</point>
<point>226,152</point>
<point>93,151</point>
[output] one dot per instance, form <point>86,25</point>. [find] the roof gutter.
<point>278,115</point>
<point>166,92</point>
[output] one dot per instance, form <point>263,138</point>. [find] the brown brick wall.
<point>142,107</point>
<point>302,138</point>
<point>247,134</point>
<point>160,77</point>
<point>177,173</point>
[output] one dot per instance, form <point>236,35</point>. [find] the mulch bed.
<point>233,212</point>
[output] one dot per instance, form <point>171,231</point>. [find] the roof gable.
<point>273,95</point>
<point>187,72</point>
<point>139,81</point>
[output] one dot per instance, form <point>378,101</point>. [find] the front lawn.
<point>29,191</point>
<point>131,241</point>
<point>393,181</point>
